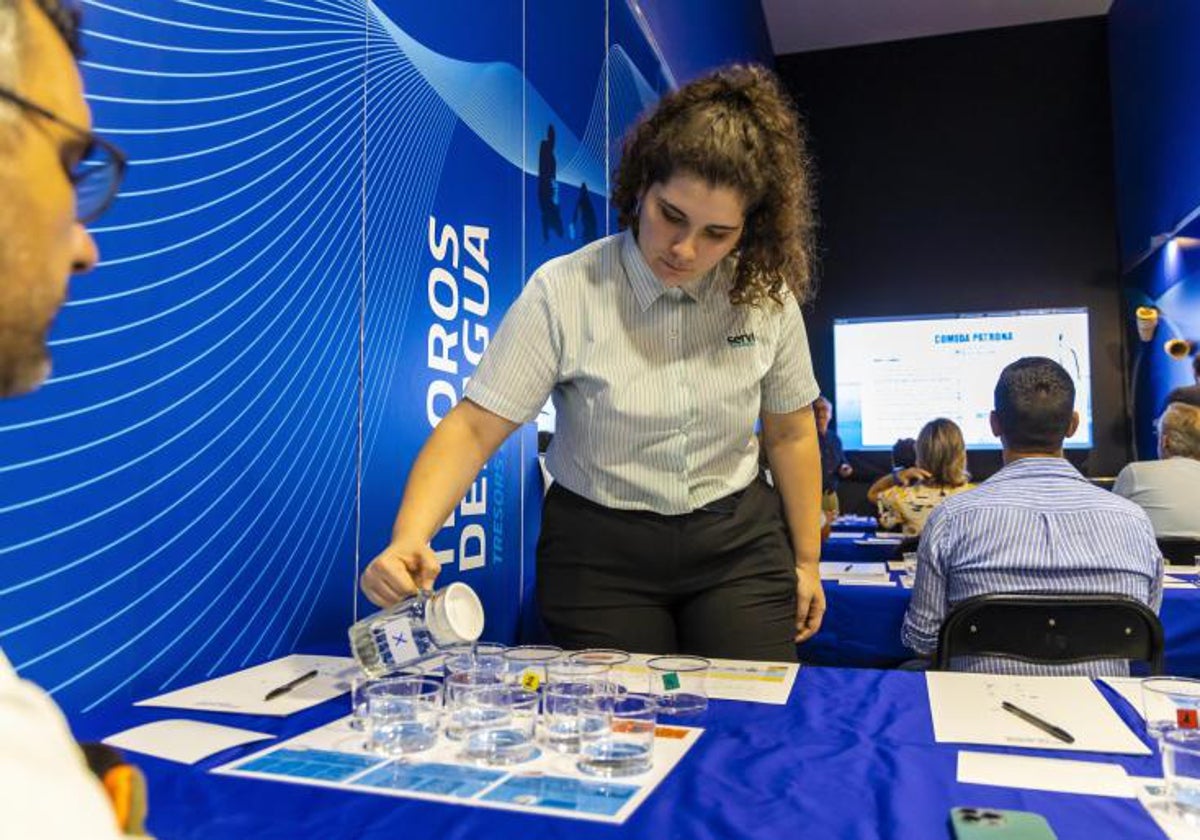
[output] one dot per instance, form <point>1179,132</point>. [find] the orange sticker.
<point>669,732</point>
<point>1186,718</point>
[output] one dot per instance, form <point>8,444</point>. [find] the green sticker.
<point>671,681</point>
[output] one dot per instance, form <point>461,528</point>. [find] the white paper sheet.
<point>880,540</point>
<point>1170,582</point>
<point>245,691</point>
<point>1052,774</point>
<point>549,784</point>
<point>1179,569</point>
<point>847,535</point>
<point>835,571</point>
<point>966,710</point>
<point>728,679</point>
<point>186,741</point>
<point>1130,688</point>
<point>865,581</point>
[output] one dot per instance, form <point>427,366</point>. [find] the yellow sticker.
<point>530,681</point>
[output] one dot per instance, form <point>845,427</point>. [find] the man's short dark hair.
<point>1186,394</point>
<point>904,453</point>
<point>1034,401</point>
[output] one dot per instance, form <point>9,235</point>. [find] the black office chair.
<point>1181,551</point>
<point>1051,628</point>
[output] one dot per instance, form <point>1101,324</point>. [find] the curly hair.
<point>734,128</point>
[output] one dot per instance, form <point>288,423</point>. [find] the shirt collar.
<point>1044,467</point>
<point>647,288</point>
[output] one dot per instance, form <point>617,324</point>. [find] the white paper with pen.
<point>855,571</point>
<point>244,691</point>
<point>966,710</point>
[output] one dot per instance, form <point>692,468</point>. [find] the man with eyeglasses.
<point>55,176</point>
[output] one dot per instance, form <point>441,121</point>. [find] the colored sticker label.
<point>670,681</point>
<point>1186,718</point>
<point>669,732</point>
<point>530,681</point>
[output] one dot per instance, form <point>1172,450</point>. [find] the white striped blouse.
<point>1036,525</point>
<point>656,389</point>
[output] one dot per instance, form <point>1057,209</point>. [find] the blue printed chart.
<point>549,784</point>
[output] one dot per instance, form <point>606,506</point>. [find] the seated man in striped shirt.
<point>1036,525</point>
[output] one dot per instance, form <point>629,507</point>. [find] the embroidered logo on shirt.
<point>743,340</point>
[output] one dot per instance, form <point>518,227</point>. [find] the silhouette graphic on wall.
<point>583,220</point>
<point>547,188</point>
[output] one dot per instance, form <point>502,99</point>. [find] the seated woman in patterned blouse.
<point>911,494</point>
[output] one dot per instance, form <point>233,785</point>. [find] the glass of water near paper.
<point>1181,769</point>
<point>403,715</point>
<point>679,684</point>
<point>616,734</point>
<point>1170,703</point>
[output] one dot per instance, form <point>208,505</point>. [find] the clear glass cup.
<point>403,714</point>
<point>568,682</point>
<point>474,656</point>
<point>358,696</point>
<point>525,665</point>
<point>507,716</point>
<point>602,656</point>
<point>679,683</point>
<point>1181,770</point>
<point>616,734</point>
<point>1170,703</point>
<point>461,716</point>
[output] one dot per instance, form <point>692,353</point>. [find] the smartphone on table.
<point>999,824</point>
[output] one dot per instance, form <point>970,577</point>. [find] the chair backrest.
<point>1052,628</point>
<point>1182,551</point>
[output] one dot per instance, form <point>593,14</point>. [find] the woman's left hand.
<point>810,601</point>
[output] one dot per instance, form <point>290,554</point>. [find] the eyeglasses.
<point>97,176</point>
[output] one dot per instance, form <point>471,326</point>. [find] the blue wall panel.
<point>1156,121</point>
<point>443,264</point>
<point>178,499</point>
<point>1156,128</point>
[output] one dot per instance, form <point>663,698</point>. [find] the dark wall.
<point>969,172</point>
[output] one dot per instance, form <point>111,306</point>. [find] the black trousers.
<point>719,582</point>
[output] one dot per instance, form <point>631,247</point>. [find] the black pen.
<point>1049,728</point>
<point>288,686</point>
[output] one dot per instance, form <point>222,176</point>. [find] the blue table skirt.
<point>862,623</point>
<point>851,756</point>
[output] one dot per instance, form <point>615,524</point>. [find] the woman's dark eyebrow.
<point>680,213</point>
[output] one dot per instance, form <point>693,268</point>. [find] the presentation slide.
<point>893,375</point>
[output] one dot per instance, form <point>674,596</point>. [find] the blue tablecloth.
<point>851,756</point>
<point>862,623</point>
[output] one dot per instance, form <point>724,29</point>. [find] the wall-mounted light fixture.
<point>1177,348</point>
<point>1147,321</point>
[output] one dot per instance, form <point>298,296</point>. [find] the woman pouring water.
<point>662,347</point>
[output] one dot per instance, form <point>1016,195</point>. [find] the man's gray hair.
<point>1179,431</point>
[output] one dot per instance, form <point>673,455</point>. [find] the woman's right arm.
<point>448,462</point>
